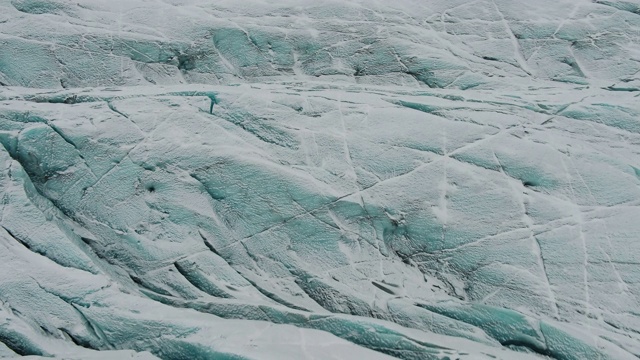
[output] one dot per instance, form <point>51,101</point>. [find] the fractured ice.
<point>186,179</point>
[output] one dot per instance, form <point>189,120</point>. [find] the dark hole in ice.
<point>71,100</point>
<point>86,240</point>
<point>186,62</point>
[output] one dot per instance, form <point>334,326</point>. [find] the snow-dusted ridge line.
<point>461,45</point>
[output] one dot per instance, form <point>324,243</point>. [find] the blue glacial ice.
<point>187,179</point>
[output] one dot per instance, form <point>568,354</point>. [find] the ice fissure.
<point>182,179</point>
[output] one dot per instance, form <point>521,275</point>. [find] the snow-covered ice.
<point>187,179</point>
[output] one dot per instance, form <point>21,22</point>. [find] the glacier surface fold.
<point>188,179</point>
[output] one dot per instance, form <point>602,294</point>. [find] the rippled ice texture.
<point>191,179</point>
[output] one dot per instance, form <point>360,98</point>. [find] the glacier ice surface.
<point>186,179</point>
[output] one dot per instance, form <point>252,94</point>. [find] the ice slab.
<point>318,179</point>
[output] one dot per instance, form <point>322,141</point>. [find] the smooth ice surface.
<point>188,179</point>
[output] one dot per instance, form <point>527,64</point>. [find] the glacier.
<point>442,179</point>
